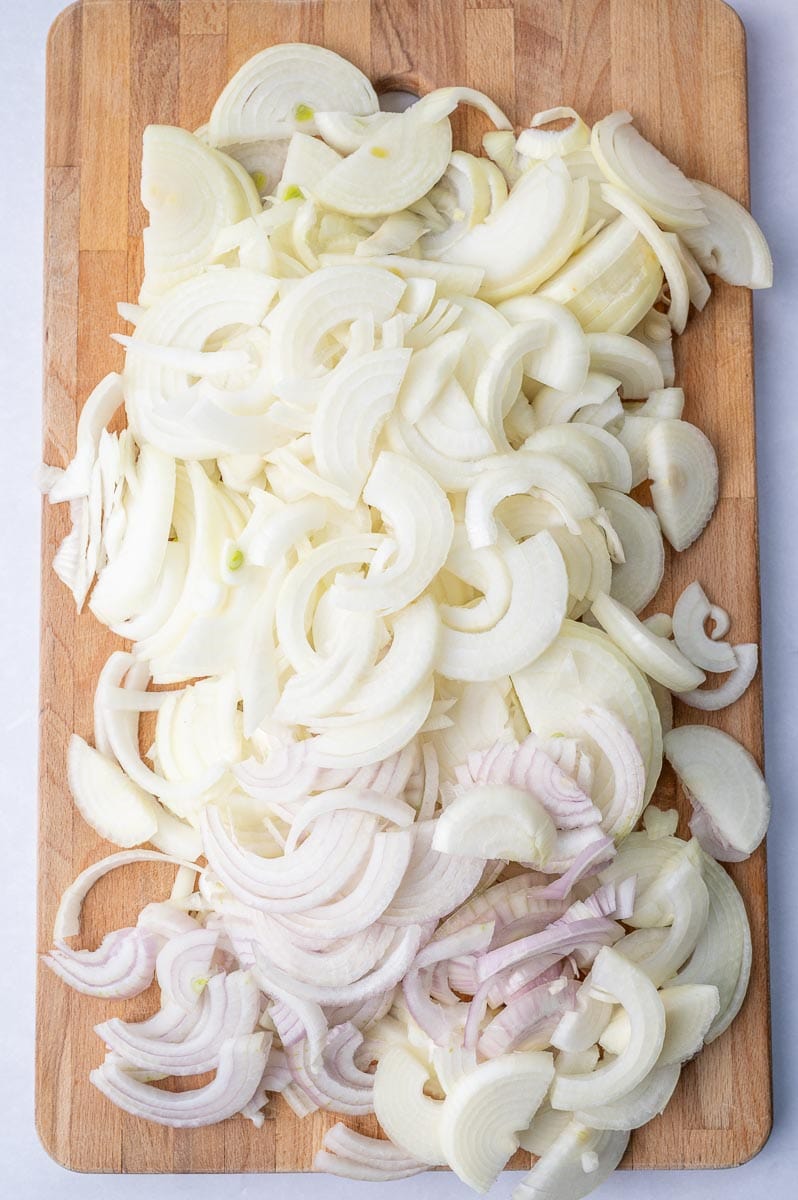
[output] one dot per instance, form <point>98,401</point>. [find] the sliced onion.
<point>632,163</point>
<point>350,414</point>
<point>612,282</point>
<point>230,1009</point>
<point>112,803</point>
<point>495,821</point>
<point>636,580</point>
<point>627,984</point>
<point>279,90</point>
<point>690,614</point>
<point>746,659</point>
<point>483,1112</point>
<point>540,584</point>
<point>725,786</point>
<point>417,513</point>
<point>530,235</point>
<point>630,361</point>
<point>67,917</point>
<point>684,472</point>
<point>654,655</point>
<point>731,245</point>
<point>562,362</point>
<point>577,1161</point>
<point>353,1155</point>
<point>410,1118</point>
<point>241,1064</point>
<point>123,965</point>
<point>637,1107</point>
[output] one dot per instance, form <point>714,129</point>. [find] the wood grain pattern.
<point>113,66</point>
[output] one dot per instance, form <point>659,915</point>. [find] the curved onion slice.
<point>690,613</point>
<point>230,1009</point>
<point>538,143</point>
<point>632,163</point>
<point>725,787</point>
<point>631,362</point>
<point>353,1155</point>
<point>514,474</point>
<point>690,1009</point>
<point>683,469</point>
<point>611,283</point>
<point>123,965</point>
<point>496,821</point>
<point>418,516</point>
<point>486,1108</point>
<point>562,361</point>
<point>722,956</point>
<point>731,245</point>
<point>529,236</point>
<point>191,193</point>
<point>636,580</point>
<point>590,450</point>
<point>67,917</point>
<point>666,251</point>
<point>583,668</point>
<point>278,91</point>
<point>631,988</point>
<point>540,585</point>
<point>656,656</point>
<point>241,1064</point>
<point>465,195</point>
<point>575,1163</point>
<point>746,658</point>
<point>127,581</point>
<point>113,804</point>
<point>638,1106</point>
<point>410,1118</point>
<point>395,165</point>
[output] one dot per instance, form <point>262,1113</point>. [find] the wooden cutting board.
<point>115,66</point>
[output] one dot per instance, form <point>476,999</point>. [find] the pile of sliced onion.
<point>387,404</point>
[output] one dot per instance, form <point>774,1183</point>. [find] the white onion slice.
<point>563,361</point>
<point>683,468</point>
<point>484,1111</point>
<point>636,580</point>
<point>496,821</point>
<point>67,917</point>
<point>538,143</point>
<point>654,655</point>
<point>632,163</point>
<point>725,787</point>
<point>576,1162</point>
<point>638,1106</point>
<point>113,804</point>
<point>630,361</point>
<point>690,613</point>
<point>610,283</point>
<point>410,1118</point>
<point>278,91</point>
<point>746,659</point>
<point>631,988</point>
<point>120,968</point>
<point>352,1155</point>
<point>416,512</point>
<point>529,236</point>
<point>539,584</point>
<point>731,245</point>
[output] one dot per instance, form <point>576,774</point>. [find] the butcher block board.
<point>112,68</point>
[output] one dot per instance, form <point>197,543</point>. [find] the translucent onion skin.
<point>387,405</point>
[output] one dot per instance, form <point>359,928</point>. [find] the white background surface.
<point>26,1171</point>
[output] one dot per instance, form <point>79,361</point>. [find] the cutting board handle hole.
<point>396,96</point>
